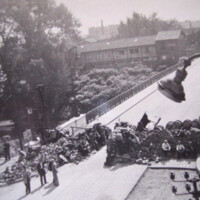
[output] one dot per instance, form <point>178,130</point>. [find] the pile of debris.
<point>127,144</point>
<point>67,149</point>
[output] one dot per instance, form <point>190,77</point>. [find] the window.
<point>133,51</point>
<point>171,44</point>
<point>136,50</point>
<point>147,49</point>
<point>121,52</point>
<point>162,45</point>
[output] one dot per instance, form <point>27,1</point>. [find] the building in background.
<point>165,46</point>
<point>130,49</point>
<point>103,32</point>
<point>170,45</point>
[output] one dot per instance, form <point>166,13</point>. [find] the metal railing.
<point>107,106</point>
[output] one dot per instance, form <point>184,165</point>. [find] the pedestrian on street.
<point>7,150</point>
<point>27,180</point>
<point>54,170</point>
<point>41,171</point>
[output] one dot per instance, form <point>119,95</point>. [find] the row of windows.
<point>116,54</point>
<point>133,51</point>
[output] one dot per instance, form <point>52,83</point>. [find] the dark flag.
<point>143,122</point>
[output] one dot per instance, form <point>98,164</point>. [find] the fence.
<point>85,119</point>
<point>107,106</point>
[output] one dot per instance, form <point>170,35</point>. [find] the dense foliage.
<point>2,81</point>
<point>140,25</point>
<point>193,39</point>
<point>100,85</point>
<point>35,38</point>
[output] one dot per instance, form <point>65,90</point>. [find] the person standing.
<point>41,171</point>
<point>53,168</point>
<point>27,180</point>
<point>7,150</point>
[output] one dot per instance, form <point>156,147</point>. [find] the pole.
<point>40,89</point>
<point>74,104</point>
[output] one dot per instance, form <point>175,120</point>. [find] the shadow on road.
<point>22,197</point>
<point>36,189</point>
<point>52,188</point>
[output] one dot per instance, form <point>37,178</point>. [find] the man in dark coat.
<point>41,171</point>
<point>7,150</point>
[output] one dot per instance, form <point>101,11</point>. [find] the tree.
<point>2,81</point>
<point>35,37</point>
<point>140,25</point>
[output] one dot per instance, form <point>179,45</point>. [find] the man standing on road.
<point>55,173</point>
<point>41,171</point>
<point>7,150</point>
<point>27,180</point>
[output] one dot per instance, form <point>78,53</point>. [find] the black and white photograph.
<point>100,99</point>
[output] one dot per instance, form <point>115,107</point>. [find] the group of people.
<point>152,145</point>
<point>42,170</point>
<point>182,151</point>
<point>64,151</point>
<point>69,148</point>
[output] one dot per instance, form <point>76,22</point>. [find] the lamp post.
<point>195,192</point>
<point>173,89</point>
<point>40,89</point>
<point>30,113</point>
<point>21,83</point>
<point>72,56</point>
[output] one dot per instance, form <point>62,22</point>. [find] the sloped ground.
<point>90,180</point>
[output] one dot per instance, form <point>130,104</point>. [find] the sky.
<point>91,12</point>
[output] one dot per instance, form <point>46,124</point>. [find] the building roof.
<point>168,35</point>
<point>118,44</point>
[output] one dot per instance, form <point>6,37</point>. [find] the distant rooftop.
<point>168,35</point>
<point>118,44</point>
<point>130,42</point>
